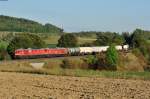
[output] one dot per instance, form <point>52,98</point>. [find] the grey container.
<point>74,51</point>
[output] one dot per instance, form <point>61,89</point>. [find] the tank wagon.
<point>73,51</point>
<point>61,52</point>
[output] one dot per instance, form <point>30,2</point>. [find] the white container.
<point>85,50</point>
<point>119,47</point>
<point>126,47</point>
<point>100,49</point>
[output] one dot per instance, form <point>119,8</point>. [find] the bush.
<point>92,62</point>
<point>98,62</point>
<point>112,57</point>
<point>3,45</point>
<point>73,64</point>
<point>3,52</point>
<point>68,40</point>
<point>102,64</point>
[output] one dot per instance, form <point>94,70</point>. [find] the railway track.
<point>21,60</point>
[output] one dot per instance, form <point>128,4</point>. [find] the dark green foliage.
<point>118,39</point>
<point>68,40</point>
<point>3,45</point>
<point>92,62</point>
<point>85,33</point>
<point>112,57</point>
<point>25,41</point>
<point>87,44</point>
<point>23,25</point>
<point>103,39</point>
<point>137,38</point>
<point>52,29</point>
<point>3,52</point>
<point>107,38</point>
<point>127,38</point>
<point>97,62</point>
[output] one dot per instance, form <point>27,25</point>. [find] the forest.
<point>13,24</point>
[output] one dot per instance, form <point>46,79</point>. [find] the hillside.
<point>13,24</point>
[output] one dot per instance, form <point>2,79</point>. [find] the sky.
<point>83,15</point>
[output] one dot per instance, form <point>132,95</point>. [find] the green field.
<point>53,39</point>
<point>83,40</point>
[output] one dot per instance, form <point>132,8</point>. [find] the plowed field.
<point>31,86</point>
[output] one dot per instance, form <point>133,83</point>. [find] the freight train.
<point>61,52</point>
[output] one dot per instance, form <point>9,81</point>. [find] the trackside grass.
<point>83,73</point>
<point>52,67</point>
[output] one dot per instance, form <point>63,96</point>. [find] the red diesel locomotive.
<point>40,53</point>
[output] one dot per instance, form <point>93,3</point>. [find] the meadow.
<point>53,40</point>
<point>52,67</point>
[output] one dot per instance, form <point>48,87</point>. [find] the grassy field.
<point>52,67</point>
<point>83,40</point>
<point>53,39</point>
<point>82,73</point>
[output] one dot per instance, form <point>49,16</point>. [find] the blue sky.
<point>83,15</point>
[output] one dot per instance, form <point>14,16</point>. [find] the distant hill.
<point>13,24</point>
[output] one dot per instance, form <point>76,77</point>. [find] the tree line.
<point>138,39</point>
<point>13,24</point>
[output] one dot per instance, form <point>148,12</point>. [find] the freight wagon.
<point>73,51</point>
